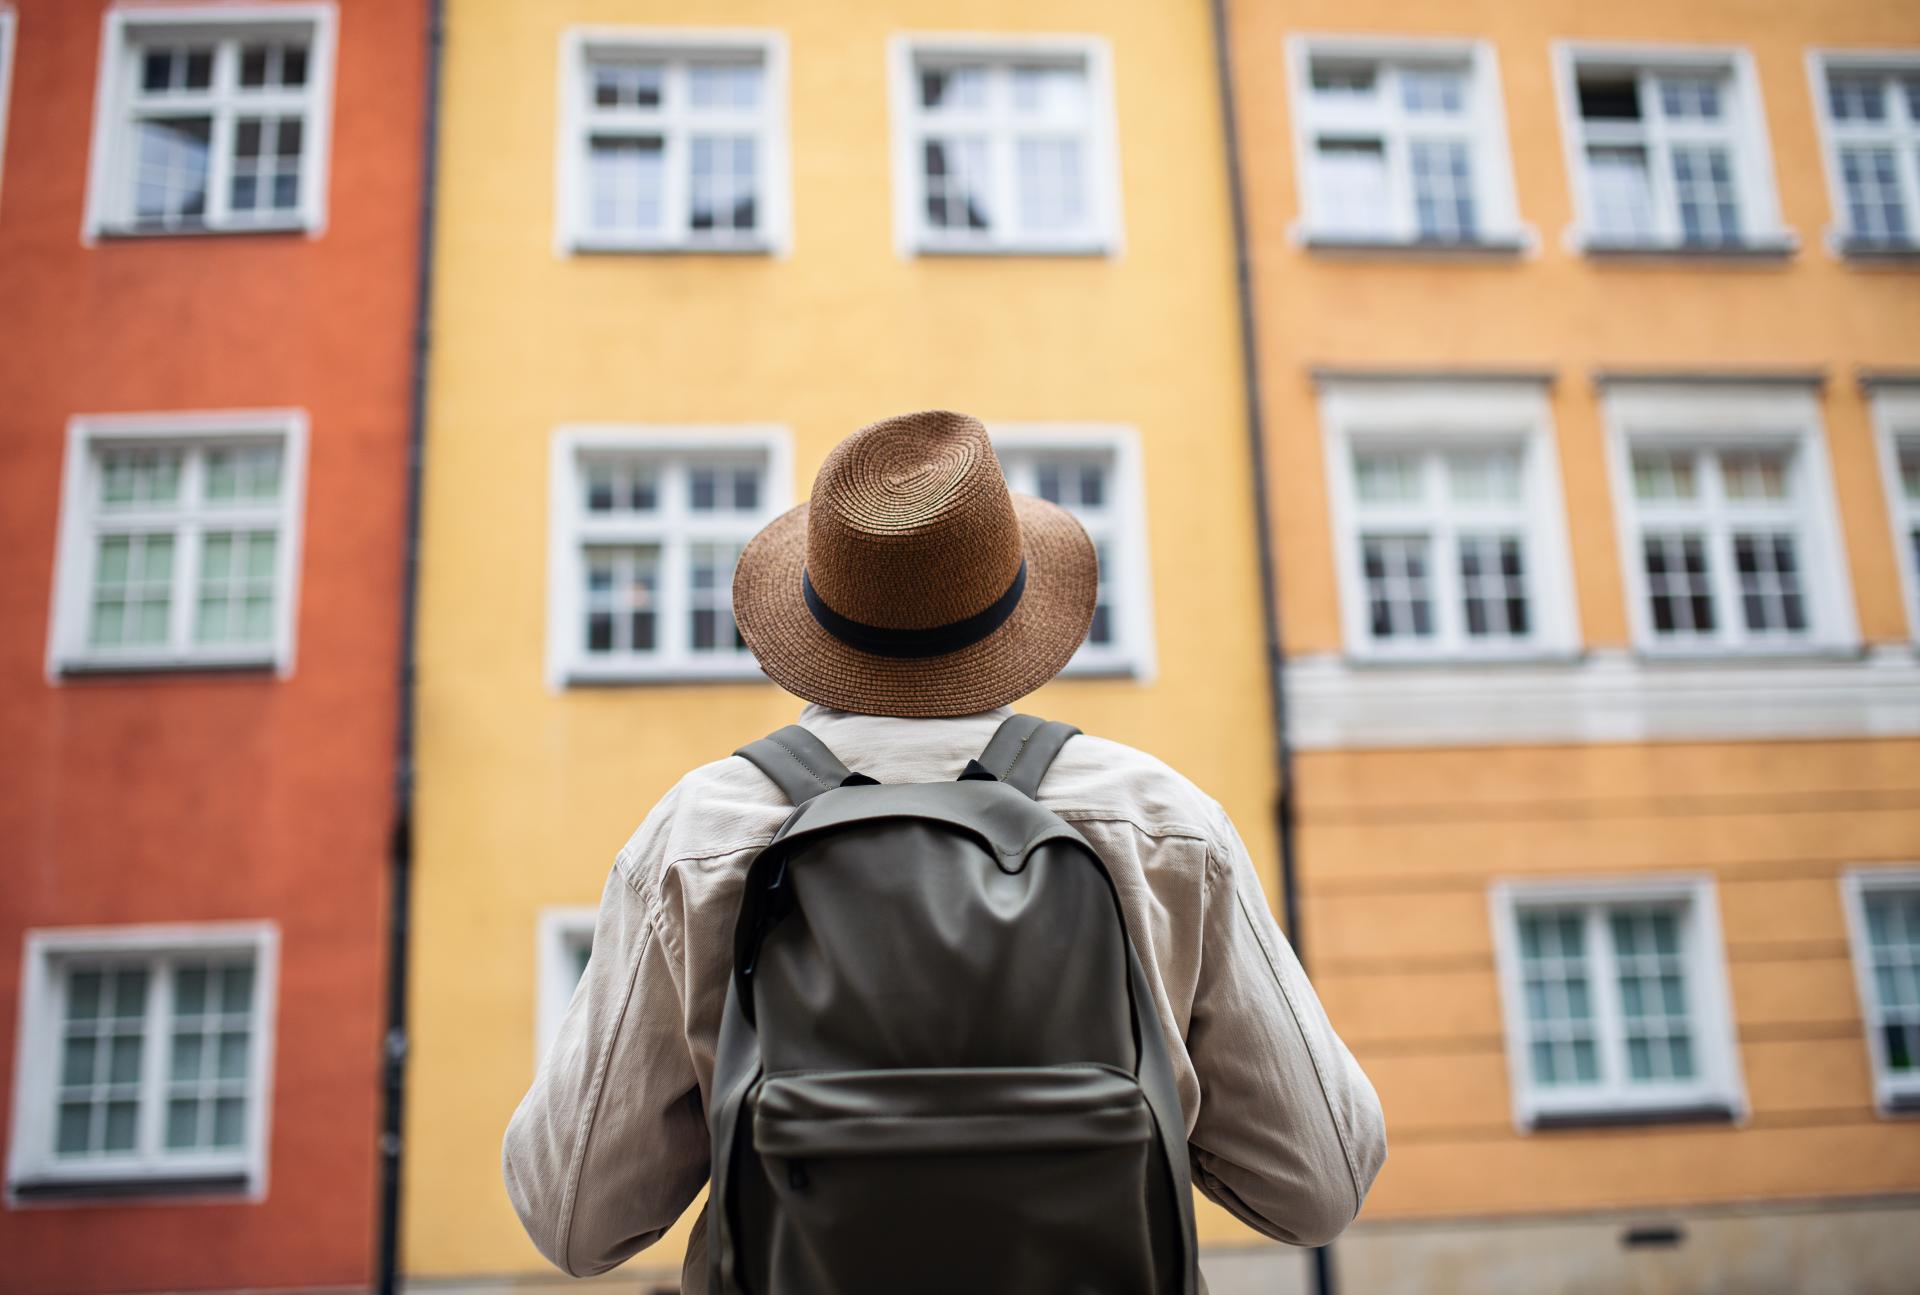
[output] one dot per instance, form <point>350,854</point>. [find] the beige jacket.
<point>610,1145</point>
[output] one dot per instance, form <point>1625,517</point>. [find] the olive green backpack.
<point>940,1068</point>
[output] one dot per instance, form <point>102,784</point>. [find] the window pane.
<point>1622,193</point>
<point>176,69</point>
<point>1857,97</point>
<point>1661,476</point>
<point>265,166</point>
<point>1554,978</point>
<point>724,183</point>
<point>1493,586</point>
<point>1876,210</point>
<point>235,602</point>
<point>210,1040</point>
<point>710,599</point>
<point>625,178</point>
<point>1399,588</point>
<point>1052,199</point>
<point>1442,190</point>
<point>1343,80</point>
<point>627,85</point>
<point>621,599</point>
<point>1433,90</point>
<point>1893,921</point>
<point>103,1037</point>
<point>950,88</point>
<point>1049,91</point>
<point>1651,976</point>
<point>142,478</point>
<point>1387,478</point>
<point>170,171</point>
<point>1754,476</point>
<point>1910,471</point>
<point>1703,182</point>
<point>1351,184</point>
<point>1484,477</point>
<point>132,590</point>
<point>1679,589</point>
<point>722,488</point>
<point>265,66</point>
<point>1609,98</point>
<point>729,85</point>
<point>1690,98</point>
<point>1770,593</point>
<point>249,474</point>
<point>955,170</point>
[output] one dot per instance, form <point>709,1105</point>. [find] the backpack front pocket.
<point>999,1179</point>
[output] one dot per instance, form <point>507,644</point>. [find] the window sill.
<point>84,667</point>
<point>1624,1117</point>
<point>1759,249</point>
<point>1493,247</point>
<point>607,679</point>
<point>585,246</point>
<point>135,233</point>
<point>1867,249</point>
<point>1900,1105</point>
<point>1099,670</point>
<point>1067,251</point>
<point>161,1188</point>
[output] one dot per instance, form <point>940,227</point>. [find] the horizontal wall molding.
<point>1334,374</point>
<point>1604,697</point>
<point>1712,377</point>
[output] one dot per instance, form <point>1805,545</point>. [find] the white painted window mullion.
<point>150,1115</point>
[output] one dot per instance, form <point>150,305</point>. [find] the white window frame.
<point>67,649</point>
<point>1901,132</point>
<point>913,236</point>
<point>1437,417</point>
<point>674,45</point>
<point>37,1054</point>
<point>569,529</point>
<point>1498,224</point>
<point>1132,653</point>
<point>9,29</point>
<point>1896,419</point>
<point>1762,230</point>
<point>560,932</point>
<point>1732,417</point>
<point>1720,1084</point>
<point>109,205</point>
<point>1892,1093</point>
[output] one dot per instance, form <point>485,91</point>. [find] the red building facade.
<point>208,252</point>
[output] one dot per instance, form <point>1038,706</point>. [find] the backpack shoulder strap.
<point>1023,749</point>
<point>799,763</point>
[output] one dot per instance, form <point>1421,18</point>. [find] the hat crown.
<point>911,525</point>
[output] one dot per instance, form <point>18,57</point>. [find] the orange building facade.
<point>1588,344</point>
<point>208,249</point>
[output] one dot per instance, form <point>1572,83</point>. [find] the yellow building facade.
<point>681,250</point>
<point>1588,337</point>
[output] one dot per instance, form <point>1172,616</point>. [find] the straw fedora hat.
<point>914,583</point>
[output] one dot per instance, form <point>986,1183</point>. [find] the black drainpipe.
<point>400,874</point>
<point>1283,809</point>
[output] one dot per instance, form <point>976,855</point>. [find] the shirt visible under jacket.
<point>610,1145</point>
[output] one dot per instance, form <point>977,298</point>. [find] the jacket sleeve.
<point>1290,1134</point>
<point>609,1146</point>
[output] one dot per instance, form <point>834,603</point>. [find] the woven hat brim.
<point>1035,643</point>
